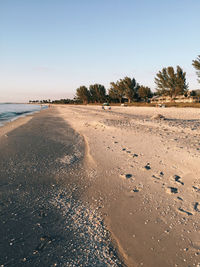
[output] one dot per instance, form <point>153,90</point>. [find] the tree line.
<point>123,89</point>
<point>58,101</point>
<point>169,82</point>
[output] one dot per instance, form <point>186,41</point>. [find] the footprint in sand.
<point>196,207</point>
<point>156,177</point>
<point>185,211</point>
<point>180,198</point>
<point>159,176</point>
<point>178,179</point>
<point>135,190</point>
<point>196,189</point>
<point>172,190</point>
<point>126,176</point>
<point>147,166</point>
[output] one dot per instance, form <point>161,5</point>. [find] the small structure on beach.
<point>176,99</point>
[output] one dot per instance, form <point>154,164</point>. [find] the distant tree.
<point>197,92</point>
<point>193,93</point>
<point>66,101</point>
<point>113,94</point>
<point>83,94</point>
<point>116,91</point>
<point>130,88</point>
<point>109,99</point>
<point>144,92</point>
<point>45,101</point>
<point>171,83</point>
<point>181,84</point>
<point>97,93</point>
<point>126,87</point>
<point>196,65</point>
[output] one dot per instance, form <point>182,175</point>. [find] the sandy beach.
<point>144,177</point>
<point>44,220</point>
<point>82,186</point>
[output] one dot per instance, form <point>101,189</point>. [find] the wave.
<point>10,112</point>
<point>10,115</point>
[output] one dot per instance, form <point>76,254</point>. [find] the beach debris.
<point>158,117</point>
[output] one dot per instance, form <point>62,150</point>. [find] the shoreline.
<point>19,113</point>
<point>50,223</point>
<point>130,166</point>
<point>11,125</point>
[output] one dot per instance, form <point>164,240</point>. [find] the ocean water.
<point>10,112</point>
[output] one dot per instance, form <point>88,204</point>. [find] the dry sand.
<point>144,176</point>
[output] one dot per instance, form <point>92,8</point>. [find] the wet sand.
<point>45,219</point>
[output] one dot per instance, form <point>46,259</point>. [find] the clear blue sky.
<point>48,48</point>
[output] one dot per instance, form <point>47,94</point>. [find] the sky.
<point>48,48</point>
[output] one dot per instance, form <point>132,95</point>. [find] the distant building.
<point>177,99</point>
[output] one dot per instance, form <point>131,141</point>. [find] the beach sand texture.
<point>43,218</point>
<point>136,170</point>
<point>145,178</point>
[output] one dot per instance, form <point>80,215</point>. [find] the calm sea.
<point>10,112</point>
